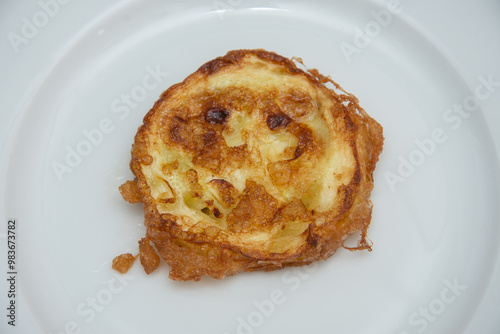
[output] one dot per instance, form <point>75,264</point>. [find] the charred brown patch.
<point>214,65</point>
<point>216,115</point>
<point>217,213</point>
<point>277,121</point>
<point>220,62</point>
<point>306,142</point>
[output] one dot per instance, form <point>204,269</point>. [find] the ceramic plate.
<point>435,217</point>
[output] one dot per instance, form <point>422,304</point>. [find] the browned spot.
<point>277,121</point>
<point>180,133</point>
<point>216,115</point>
<point>220,62</point>
<point>255,209</point>
<point>217,213</point>
<point>306,143</point>
<point>214,65</point>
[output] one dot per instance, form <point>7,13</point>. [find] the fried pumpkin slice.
<point>252,163</point>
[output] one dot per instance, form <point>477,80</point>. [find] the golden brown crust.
<point>252,156</point>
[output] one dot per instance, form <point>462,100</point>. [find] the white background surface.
<point>466,31</point>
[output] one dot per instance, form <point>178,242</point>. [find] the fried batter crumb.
<point>130,192</point>
<point>147,254</point>
<point>122,263</point>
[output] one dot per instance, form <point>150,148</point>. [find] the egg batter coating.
<point>252,163</point>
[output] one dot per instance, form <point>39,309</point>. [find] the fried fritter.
<point>252,163</point>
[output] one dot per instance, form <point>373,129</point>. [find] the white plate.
<point>435,219</point>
